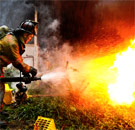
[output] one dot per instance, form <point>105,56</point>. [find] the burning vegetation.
<point>111,76</point>
<point>108,78</point>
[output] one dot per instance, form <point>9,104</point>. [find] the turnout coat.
<point>11,49</point>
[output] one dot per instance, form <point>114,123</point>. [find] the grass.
<point>71,113</point>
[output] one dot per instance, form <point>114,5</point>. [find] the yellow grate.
<point>43,123</point>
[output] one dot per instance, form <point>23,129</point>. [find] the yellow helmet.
<point>3,30</point>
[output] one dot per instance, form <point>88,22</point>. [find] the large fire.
<point>109,78</point>
<point>122,91</point>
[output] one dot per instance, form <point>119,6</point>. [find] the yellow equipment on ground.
<point>43,123</point>
<point>8,96</point>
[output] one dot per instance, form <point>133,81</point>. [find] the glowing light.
<point>122,91</point>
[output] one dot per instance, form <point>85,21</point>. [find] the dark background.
<point>81,22</point>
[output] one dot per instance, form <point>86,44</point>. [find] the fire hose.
<point>19,79</point>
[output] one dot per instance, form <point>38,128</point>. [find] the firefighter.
<point>12,46</point>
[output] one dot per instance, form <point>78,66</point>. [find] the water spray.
<point>53,76</point>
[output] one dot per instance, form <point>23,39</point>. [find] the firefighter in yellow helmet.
<point>12,46</point>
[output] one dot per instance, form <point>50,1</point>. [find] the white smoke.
<point>54,25</point>
<point>54,58</point>
<point>53,68</point>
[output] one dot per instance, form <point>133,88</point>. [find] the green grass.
<point>70,115</point>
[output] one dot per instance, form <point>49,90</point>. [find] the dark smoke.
<point>12,12</point>
<point>48,37</point>
<point>110,21</point>
<point>79,20</point>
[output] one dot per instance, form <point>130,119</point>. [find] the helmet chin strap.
<point>26,35</point>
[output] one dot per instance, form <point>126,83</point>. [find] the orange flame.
<point>110,78</point>
<point>121,92</point>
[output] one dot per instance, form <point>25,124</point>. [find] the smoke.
<point>50,39</point>
<point>55,58</point>
<point>53,66</point>
<point>57,80</point>
<point>118,15</point>
<point>54,25</point>
<point>101,23</point>
<point>48,34</point>
<point>13,12</point>
<point>79,20</point>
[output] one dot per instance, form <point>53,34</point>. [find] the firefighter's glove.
<point>26,74</point>
<point>33,71</point>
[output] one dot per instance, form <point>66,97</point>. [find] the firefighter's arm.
<point>16,58</point>
<point>18,61</point>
